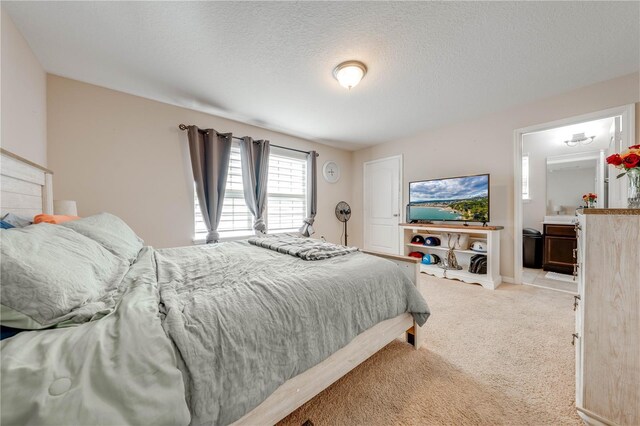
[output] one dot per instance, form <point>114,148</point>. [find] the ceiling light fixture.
<point>579,139</point>
<point>349,73</point>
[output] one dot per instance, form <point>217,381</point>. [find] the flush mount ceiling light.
<point>579,139</point>
<point>349,73</point>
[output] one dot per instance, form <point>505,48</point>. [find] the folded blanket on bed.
<point>304,248</point>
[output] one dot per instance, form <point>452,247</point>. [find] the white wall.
<point>124,154</point>
<point>485,145</point>
<point>24,96</point>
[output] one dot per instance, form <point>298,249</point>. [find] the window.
<point>525,177</point>
<point>236,219</point>
<point>286,197</point>
<point>286,193</point>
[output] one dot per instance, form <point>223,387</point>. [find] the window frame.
<point>230,235</point>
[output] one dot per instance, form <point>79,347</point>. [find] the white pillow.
<point>51,275</point>
<point>111,232</point>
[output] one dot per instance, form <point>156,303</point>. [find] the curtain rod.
<point>184,127</point>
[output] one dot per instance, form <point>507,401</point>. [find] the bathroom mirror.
<point>571,176</point>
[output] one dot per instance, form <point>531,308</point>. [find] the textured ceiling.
<point>270,63</point>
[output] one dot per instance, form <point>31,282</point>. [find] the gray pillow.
<point>17,221</point>
<point>111,232</point>
<point>51,275</point>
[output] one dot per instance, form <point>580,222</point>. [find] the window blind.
<point>286,193</point>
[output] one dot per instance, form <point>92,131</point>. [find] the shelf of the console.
<point>473,234</point>
<point>460,275</point>
<point>421,246</point>
<point>453,273</point>
<point>449,226</point>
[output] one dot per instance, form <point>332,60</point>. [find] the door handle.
<point>396,215</point>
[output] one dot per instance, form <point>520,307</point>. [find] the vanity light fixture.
<point>349,73</point>
<point>579,139</point>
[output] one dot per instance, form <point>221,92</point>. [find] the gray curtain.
<point>254,157</point>
<point>210,152</point>
<point>307,227</point>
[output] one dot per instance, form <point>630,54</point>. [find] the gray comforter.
<point>245,319</point>
<point>120,369</point>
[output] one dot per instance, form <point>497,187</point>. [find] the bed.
<point>223,334</point>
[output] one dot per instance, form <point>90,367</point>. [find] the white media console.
<point>487,234</point>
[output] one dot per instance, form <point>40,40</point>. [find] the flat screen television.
<point>461,199</point>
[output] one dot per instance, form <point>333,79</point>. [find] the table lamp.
<point>65,207</point>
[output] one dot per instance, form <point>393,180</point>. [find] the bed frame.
<point>27,189</point>
<point>300,389</point>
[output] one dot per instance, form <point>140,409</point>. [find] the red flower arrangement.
<point>629,159</point>
<point>590,198</point>
<point>629,163</point>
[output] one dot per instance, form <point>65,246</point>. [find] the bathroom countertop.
<point>560,220</point>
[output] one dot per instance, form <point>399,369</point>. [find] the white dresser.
<point>607,336</point>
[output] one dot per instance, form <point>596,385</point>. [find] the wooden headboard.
<point>26,188</point>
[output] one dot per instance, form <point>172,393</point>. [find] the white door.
<point>382,204</point>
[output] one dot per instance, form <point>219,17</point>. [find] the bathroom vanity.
<point>560,243</point>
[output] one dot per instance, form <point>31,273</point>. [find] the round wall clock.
<point>331,172</point>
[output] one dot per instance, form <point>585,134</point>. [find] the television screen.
<point>459,199</point>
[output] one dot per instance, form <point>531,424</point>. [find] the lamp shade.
<point>65,207</point>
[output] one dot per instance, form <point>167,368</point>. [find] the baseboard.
<point>508,280</point>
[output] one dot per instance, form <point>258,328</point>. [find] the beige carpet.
<point>499,357</point>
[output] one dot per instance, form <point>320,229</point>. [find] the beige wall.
<point>24,96</point>
<point>485,145</point>
<point>124,154</point>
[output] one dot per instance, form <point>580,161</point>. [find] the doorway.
<point>555,165</point>
<point>382,204</point>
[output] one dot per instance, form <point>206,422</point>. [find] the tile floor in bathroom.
<point>537,277</point>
